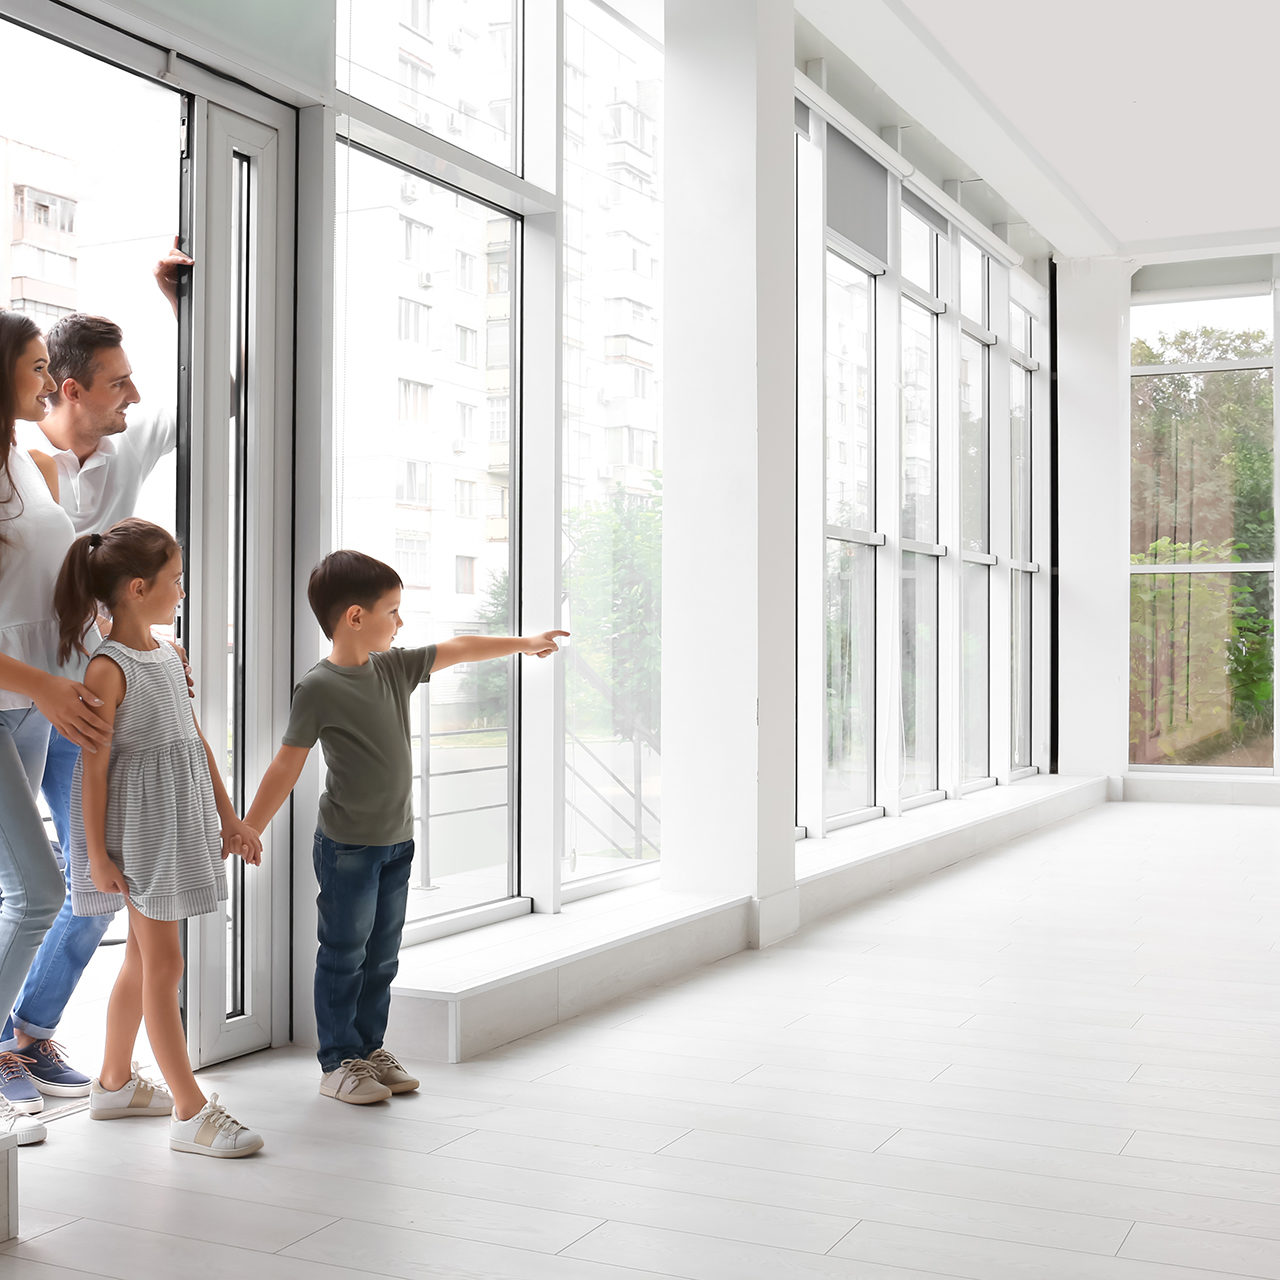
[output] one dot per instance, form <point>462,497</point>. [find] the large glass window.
<point>1202,534</point>
<point>408,480</point>
<point>612,486</point>
<point>921,433</point>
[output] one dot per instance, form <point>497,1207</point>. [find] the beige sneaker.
<point>391,1073</point>
<point>138,1096</point>
<point>355,1081</point>
<point>212,1132</point>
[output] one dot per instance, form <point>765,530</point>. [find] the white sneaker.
<point>212,1132</point>
<point>138,1096</point>
<point>391,1073</point>
<point>355,1081</point>
<point>22,1126</point>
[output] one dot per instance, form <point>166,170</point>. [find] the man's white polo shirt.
<point>105,489</point>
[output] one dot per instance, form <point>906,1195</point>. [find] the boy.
<point>356,703</point>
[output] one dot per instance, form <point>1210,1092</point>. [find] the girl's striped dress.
<point>162,823</point>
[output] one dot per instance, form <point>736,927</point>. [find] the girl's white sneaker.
<point>138,1096</point>
<point>212,1132</point>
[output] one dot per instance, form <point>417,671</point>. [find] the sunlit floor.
<point>1058,1060</point>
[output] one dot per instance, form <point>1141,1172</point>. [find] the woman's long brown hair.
<point>16,331</point>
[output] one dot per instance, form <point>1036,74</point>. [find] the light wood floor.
<point>1057,1061</point>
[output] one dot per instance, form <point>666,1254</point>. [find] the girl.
<point>35,688</point>
<point>145,823</point>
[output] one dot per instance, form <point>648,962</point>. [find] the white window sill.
<point>852,845</point>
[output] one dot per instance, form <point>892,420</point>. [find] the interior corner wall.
<point>1092,693</point>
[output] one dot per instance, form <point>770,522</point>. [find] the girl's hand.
<point>107,877</point>
<point>68,706</point>
<point>240,838</point>
<point>542,645</point>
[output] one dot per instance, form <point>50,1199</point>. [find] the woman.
<point>35,691</point>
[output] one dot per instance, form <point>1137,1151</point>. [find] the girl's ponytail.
<point>95,568</point>
<point>74,600</point>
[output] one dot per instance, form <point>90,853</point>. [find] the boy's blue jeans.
<point>364,893</point>
<point>72,940</point>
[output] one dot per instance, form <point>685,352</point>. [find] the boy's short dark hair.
<point>344,578</point>
<point>74,343</point>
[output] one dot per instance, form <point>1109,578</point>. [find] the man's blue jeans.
<point>364,893</point>
<point>72,940</point>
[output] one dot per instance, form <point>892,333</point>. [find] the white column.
<point>1093,516</point>
<point>729,468</point>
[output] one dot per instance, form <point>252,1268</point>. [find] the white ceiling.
<point>1112,126</point>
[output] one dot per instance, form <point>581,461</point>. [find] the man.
<point>102,461</point>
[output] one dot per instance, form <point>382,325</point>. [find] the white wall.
<point>729,477</point>
<point>1093,516</point>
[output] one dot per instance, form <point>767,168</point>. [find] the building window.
<point>464,572</point>
<point>416,14</point>
<point>44,209</point>
<point>413,559</point>
<point>466,345</point>
<point>499,277</point>
<point>464,498</point>
<point>416,238</point>
<point>416,82</point>
<point>466,268</point>
<point>413,401</point>
<point>466,421</point>
<point>412,321</point>
<point>413,486</point>
<point>499,419</point>
<point>497,350</point>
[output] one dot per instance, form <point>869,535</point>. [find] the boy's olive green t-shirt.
<point>360,717</point>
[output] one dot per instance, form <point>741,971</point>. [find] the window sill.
<point>959,825</point>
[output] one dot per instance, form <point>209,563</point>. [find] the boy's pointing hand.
<point>544,644</point>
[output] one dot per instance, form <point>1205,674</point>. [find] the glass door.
<point>241,396</point>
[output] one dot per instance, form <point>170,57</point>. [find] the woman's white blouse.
<point>37,533</point>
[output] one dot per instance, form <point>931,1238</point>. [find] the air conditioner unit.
<point>424,279</point>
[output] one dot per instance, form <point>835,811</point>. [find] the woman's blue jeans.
<point>31,885</point>
<point>72,940</point>
<point>364,893</point>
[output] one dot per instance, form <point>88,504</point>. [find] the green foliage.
<point>492,679</point>
<point>613,581</point>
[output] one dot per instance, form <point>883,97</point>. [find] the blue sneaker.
<point>16,1084</point>
<point>52,1074</point>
